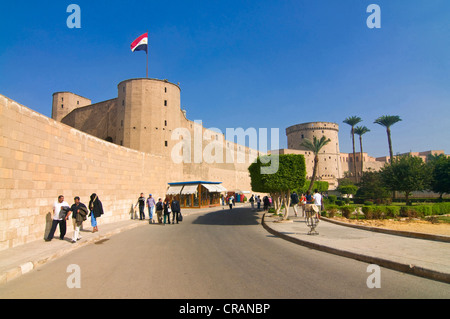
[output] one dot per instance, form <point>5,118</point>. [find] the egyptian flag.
<point>140,44</point>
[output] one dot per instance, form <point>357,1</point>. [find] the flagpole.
<point>147,54</point>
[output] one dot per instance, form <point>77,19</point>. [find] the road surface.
<point>223,254</point>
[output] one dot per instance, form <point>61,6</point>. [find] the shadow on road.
<point>227,217</point>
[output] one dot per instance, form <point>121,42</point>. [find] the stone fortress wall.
<point>41,158</point>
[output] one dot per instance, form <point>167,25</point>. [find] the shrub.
<point>332,210</point>
<point>392,211</point>
<point>379,212</point>
<point>368,203</point>
<point>408,211</point>
<point>367,211</point>
<point>332,199</point>
<point>347,211</point>
<point>340,202</point>
<point>441,208</point>
<point>424,210</point>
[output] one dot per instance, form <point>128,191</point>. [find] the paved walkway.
<point>421,257</point>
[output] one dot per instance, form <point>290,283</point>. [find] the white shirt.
<point>317,199</point>
<point>57,208</point>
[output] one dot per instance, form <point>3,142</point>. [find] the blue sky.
<point>259,64</point>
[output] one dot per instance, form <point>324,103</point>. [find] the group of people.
<point>267,202</point>
<point>162,209</point>
<point>62,211</point>
<point>296,200</point>
<point>229,200</point>
<point>308,198</point>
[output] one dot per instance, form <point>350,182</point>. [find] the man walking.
<point>159,210</point>
<point>79,212</point>
<point>151,207</point>
<point>318,201</point>
<point>252,202</point>
<point>60,210</point>
<point>295,201</point>
<point>141,203</point>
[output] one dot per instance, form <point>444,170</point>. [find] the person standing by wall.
<point>175,205</point>
<point>96,210</point>
<point>141,203</point>
<point>151,207</point>
<point>159,210</point>
<point>166,208</point>
<point>59,218</point>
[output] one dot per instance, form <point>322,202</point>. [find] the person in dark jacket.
<point>266,203</point>
<point>175,210</point>
<point>79,213</point>
<point>141,203</point>
<point>295,200</point>
<point>96,210</point>
<point>159,210</point>
<point>166,207</point>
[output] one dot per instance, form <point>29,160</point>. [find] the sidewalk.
<point>421,257</point>
<point>17,261</point>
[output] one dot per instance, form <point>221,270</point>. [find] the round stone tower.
<point>329,158</point>
<point>148,110</point>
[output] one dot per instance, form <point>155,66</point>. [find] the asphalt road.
<point>222,254</point>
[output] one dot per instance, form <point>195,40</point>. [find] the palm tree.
<point>352,121</point>
<point>315,146</point>
<point>387,121</point>
<point>361,130</point>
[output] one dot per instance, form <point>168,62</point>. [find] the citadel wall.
<point>100,120</point>
<point>65,102</point>
<point>41,158</point>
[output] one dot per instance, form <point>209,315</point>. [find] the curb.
<point>442,238</point>
<point>406,268</point>
<point>26,267</point>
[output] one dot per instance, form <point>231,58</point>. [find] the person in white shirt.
<point>58,218</point>
<point>317,201</point>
